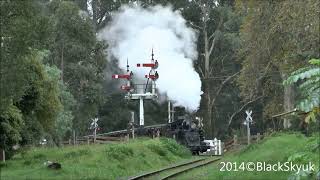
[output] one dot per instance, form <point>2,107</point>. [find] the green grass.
<point>281,147</point>
<point>108,161</point>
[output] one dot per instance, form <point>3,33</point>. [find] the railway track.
<point>173,171</point>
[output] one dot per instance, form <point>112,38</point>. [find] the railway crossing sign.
<point>247,122</point>
<point>94,125</point>
<point>248,118</point>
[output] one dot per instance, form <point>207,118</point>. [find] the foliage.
<point>11,123</point>
<point>309,88</point>
<point>81,59</point>
<point>19,30</point>
<point>40,104</point>
<point>63,123</point>
<point>277,37</point>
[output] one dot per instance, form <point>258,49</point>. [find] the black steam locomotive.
<point>188,132</point>
<point>185,129</point>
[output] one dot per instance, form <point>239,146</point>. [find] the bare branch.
<point>211,69</point>
<point>214,34</point>
<point>221,87</point>
<point>195,26</point>
<point>201,72</point>
<point>211,36</point>
<point>265,70</point>
<point>225,81</point>
<point>243,106</point>
<point>212,45</point>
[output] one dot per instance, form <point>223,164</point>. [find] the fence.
<point>242,141</point>
<point>90,140</point>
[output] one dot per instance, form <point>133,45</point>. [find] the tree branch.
<point>211,36</point>
<point>201,72</point>
<point>195,26</point>
<point>243,106</point>
<point>212,45</point>
<point>214,34</point>
<point>222,85</point>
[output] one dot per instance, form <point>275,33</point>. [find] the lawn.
<point>280,147</point>
<point>109,161</point>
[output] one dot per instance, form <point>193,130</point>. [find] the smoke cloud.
<point>134,31</point>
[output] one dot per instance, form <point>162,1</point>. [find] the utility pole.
<point>170,112</point>
<point>132,123</point>
<point>247,122</point>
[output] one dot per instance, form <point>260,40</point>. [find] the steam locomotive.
<point>185,129</point>
<point>189,133</point>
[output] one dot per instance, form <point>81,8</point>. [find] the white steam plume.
<point>132,33</point>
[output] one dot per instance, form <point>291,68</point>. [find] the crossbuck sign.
<point>249,118</point>
<point>247,122</point>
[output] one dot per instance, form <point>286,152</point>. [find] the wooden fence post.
<point>74,137</point>
<point>235,139</point>
<point>153,133</point>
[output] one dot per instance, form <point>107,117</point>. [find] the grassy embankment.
<point>108,161</point>
<point>280,147</point>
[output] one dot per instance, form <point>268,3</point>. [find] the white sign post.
<point>247,122</point>
<point>94,125</point>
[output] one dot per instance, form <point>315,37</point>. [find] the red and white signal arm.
<point>152,65</point>
<point>121,76</point>
<point>126,88</point>
<point>153,77</point>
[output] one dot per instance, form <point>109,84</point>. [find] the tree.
<point>63,123</point>
<point>27,92</point>
<point>218,31</point>
<point>309,89</point>
<point>277,38</point>
<point>40,104</point>
<point>81,59</point>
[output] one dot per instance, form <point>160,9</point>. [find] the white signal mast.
<point>141,91</point>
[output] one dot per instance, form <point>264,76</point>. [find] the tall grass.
<point>108,161</point>
<point>281,147</point>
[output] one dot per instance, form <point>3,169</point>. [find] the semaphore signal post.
<point>141,91</point>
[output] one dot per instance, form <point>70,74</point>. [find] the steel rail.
<point>145,175</point>
<point>188,169</point>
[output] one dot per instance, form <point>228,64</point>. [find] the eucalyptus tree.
<point>277,38</point>
<point>80,58</point>
<point>217,26</point>
<point>29,95</point>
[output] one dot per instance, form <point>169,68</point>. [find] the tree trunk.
<point>208,127</point>
<point>209,122</point>
<point>288,103</point>
<point>62,62</point>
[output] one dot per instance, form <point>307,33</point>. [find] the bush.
<point>119,152</point>
<point>160,150</point>
<point>175,148</point>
